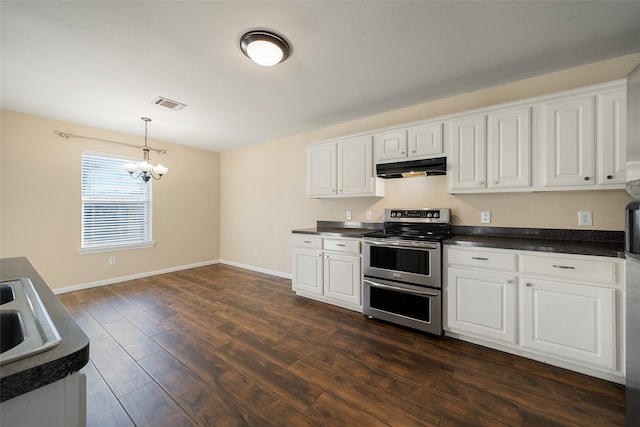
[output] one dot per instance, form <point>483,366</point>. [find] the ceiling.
<point>102,63</point>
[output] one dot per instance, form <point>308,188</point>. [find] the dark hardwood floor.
<point>222,346</point>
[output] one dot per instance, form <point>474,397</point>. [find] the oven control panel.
<point>418,215</point>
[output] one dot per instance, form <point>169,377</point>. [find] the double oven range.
<point>402,268</point>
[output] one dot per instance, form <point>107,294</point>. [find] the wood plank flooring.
<point>222,346</point>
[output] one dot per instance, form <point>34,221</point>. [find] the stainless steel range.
<point>402,274</point>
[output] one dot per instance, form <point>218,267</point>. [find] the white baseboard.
<point>168,270</point>
<point>132,277</point>
<point>258,269</point>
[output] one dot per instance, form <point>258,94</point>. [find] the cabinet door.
<point>391,146</point>
<point>509,149</point>
<point>307,271</point>
<point>612,137</point>
<point>321,170</point>
<point>355,166</point>
<point>482,304</point>
<point>342,280</point>
<point>425,140</point>
<point>468,152</point>
<point>569,142</point>
<point>571,321</point>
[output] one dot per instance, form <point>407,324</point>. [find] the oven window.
<point>412,306</point>
<point>398,259</point>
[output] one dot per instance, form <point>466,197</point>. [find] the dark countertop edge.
<point>570,241</point>
<point>341,229</point>
<point>24,375</point>
<point>577,242</point>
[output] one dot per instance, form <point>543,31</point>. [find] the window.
<point>116,209</point>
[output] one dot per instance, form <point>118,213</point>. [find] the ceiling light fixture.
<point>145,169</point>
<point>264,48</point>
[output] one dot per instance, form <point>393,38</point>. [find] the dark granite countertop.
<point>341,229</point>
<point>579,242</point>
<point>23,375</point>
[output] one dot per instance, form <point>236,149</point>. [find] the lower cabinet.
<point>328,270</point>
<point>482,303</point>
<point>62,403</point>
<point>556,308</point>
<point>571,321</point>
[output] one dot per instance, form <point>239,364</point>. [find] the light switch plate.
<point>485,217</point>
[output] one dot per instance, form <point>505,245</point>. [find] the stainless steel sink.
<point>26,328</point>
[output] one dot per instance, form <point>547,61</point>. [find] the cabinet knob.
<point>341,189</point>
<point>586,178</point>
<point>480,182</point>
<point>402,152</point>
<point>609,176</point>
<point>496,182</point>
<point>413,151</point>
<point>528,285</point>
<point>509,281</point>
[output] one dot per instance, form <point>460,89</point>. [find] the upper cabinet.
<point>412,143</point>
<point>342,168</point>
<point>574,140</point>
<point>491,151</point>
<point>611,138</point>
<point>568,135</point>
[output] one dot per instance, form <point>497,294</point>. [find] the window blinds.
<point>116,210</point>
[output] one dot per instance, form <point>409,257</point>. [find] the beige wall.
<point>41,206</point>
<point>263,187</point>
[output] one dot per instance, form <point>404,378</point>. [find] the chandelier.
<point>145,169</point>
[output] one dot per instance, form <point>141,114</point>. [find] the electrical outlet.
<point>485,217</point>
<point>585,218</point>
<point>348,215</point>
<point>369,216</point>
<point>113,260</point>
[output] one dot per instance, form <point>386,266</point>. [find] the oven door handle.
<point>403,244</point>
<point>399,289</point>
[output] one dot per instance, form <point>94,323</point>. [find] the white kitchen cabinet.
<point>467,170</point>
<point>491,151</point>
<point>391,146</point>
<point>342,278</point>
<point>481,303</point>
<point>328,269</point>
<point>568,131</point>
<point>322,170</point>
<point>342,168</point>
<point>570,321</point>
<point>62,403</point>
<point>413,143</point>
<point>611,138</point>
<point>562,309</point>
<point>509,149</point>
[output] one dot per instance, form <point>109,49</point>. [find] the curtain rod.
<point>70,135</point>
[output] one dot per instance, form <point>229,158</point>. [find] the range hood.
<point>412,168</point>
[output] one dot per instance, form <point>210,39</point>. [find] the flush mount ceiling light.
<point>145,169</point>
<point>264,48</point>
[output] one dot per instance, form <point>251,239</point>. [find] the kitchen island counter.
<point>30,373</point>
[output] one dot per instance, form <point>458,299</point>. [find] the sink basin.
<point>25,324</point>
<point>11,330</point>
<point>6,294</point>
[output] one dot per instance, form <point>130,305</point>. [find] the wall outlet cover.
<point>585,218</point>
<point>485,217</point>
<point>348,215</point>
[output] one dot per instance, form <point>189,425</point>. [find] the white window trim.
<point>119,247</point>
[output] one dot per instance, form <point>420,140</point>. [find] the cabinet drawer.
<point>307,241</point>
<point>575,270</point>
<point>482,259</point>
<point>338,245</point>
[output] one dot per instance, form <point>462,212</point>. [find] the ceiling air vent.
<point>166,102</point>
